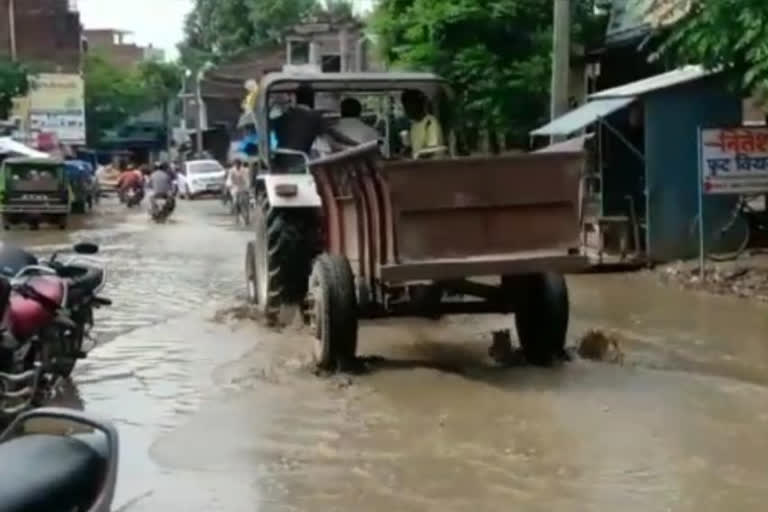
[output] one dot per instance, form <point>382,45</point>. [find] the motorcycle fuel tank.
<point>28,315</point>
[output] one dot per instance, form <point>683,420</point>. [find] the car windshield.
<point>203,167</point>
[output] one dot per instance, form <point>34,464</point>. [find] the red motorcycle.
<point>46,312</point>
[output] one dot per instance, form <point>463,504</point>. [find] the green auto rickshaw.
<point>34,190</point>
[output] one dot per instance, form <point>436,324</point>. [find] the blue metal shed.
<point>674,106</point>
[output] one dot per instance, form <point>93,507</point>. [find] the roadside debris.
<point>746,277</point>
<point>602,346</point>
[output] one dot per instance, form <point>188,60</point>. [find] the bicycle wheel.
<point>730,242</point>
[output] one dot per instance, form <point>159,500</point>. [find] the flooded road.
<point>219,413</point>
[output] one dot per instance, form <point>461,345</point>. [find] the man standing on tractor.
<point>298,127</point>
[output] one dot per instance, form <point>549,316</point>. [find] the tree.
<point>162,82</point>
<point>217,28</point>
<point>112,96</point>
<point>727,34</point>
<point>496,54</point>
<point>13,83</point>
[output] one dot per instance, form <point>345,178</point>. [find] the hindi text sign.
<point>734,160</point>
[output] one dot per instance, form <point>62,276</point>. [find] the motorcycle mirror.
<point>86,248</point>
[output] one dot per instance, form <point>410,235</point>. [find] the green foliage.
<point>13,83</point>
<point>217,28</point>
<point>162,80</point>
<point>732,34</point>
<point>113,95</point>
<point>496,53</point>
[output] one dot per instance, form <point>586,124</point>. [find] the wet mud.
<point>217,412</point>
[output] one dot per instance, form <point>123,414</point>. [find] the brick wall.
<point>102,42</point>
<point>48,34</point>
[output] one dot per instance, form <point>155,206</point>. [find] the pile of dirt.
<point>747,277</point>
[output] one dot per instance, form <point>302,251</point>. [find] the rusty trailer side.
<point>454,218</point>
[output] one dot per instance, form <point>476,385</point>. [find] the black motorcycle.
<point>162,208</point>
<point>44,472</point>
<point>133,197</point>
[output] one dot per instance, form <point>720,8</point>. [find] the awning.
<point>583,116</point>
<point>570,145</point>
<point>8,145</point>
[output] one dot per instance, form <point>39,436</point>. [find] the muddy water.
<point>218,413</point>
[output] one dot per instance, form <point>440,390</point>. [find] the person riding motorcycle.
<point>161,185</point>
<point>130,179</point>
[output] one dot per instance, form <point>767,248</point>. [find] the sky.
<point>159,22</point>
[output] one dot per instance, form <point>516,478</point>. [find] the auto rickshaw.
<point>34,190</point>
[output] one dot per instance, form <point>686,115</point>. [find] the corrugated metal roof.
<point>654,83</point>
<point>583,116</point>
<point>570,145</point>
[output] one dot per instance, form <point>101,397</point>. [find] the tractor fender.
<point>291,190</point>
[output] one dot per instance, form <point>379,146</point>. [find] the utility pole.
<point>12,27</point>
<point>200,106</point>
<point>561,56</point>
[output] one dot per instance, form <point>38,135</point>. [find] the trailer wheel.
<point>286,242</point>
<point>332,304</point>
<point>541,316</point>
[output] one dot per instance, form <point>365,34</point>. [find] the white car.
<point>199,177</point>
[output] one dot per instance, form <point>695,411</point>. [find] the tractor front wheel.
<point>286,243</point>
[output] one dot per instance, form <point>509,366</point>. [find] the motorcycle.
<point>162,208</point>
<point>133,196</point>
<point>46,314</point>
<point>51,473</point>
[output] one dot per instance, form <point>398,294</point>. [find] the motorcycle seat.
<point>82,280</point>
<point>46,473</point>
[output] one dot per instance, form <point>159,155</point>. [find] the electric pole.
<point>12,27</point>
<point>561,57</point>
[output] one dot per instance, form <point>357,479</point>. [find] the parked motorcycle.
<point>46,472</point>
<point>46,313</point>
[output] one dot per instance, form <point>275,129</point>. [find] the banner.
<point>55,106</point>
<point>734,160</point>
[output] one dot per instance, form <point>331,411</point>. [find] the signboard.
<point>734,160</point>
<point>55,106</point>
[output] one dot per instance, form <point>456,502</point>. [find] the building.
<point>645,158</point>
<point>47,33</point>
<point>330,46</point>
<point>116,47</point>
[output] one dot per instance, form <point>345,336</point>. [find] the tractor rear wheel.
<point>286,243</point>
<point>541,315</point>
<point>333,312</point>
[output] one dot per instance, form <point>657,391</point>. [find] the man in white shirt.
<point>351,126</point>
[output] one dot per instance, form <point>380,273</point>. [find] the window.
<point>331,63</point>
<point>299,52</point>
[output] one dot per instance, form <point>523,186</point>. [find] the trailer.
<point>356,235</point>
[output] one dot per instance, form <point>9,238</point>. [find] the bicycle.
<point>737,230</point>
